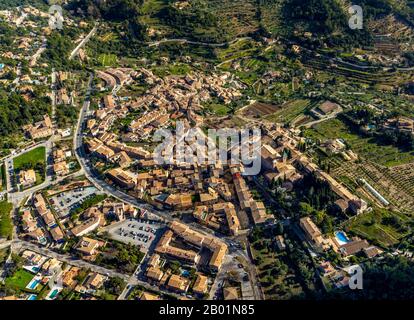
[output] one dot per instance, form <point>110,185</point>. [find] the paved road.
<point>8,164</point>
<point>5,244</point>
<point>38,53</point>
<point>19,245</point>
<point>331,116</point>
<point>83,42</point>
<point>185,41</point>
<point>53,87</point>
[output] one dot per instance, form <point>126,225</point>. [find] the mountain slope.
<point>224,20</point>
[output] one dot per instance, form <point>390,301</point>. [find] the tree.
<point>115,285</point>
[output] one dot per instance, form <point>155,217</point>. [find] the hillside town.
<point>123,157</point>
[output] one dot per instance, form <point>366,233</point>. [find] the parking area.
<point>65,202</point>
<point>239,273</point>
<point>136,231</point>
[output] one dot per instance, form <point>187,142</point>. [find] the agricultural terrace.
<point>222,19</point>
<point>367,148</point>
<point>107,60</point>
<point>382,227</point>
<point>276,271</point>
<point>386,168</point>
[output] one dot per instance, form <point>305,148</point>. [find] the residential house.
<point>122,178</point>
<point>201,285</point>
<point>27,178</point>
<point>57,234</point>
<point>87,246</point>
<point>178,283</point>
<point>40,129</point>
<point>86,226</point>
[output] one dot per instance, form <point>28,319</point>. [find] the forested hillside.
<point>218,21</point>
<point>15,111</point>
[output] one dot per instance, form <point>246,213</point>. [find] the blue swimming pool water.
<point>32,297</point>
<point>185,273</point>
<point>54,294</point>
<point>341,236</point>
<point>34,284</point>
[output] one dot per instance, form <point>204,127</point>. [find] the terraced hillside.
<point>396,185</point>
<point>219,20</point>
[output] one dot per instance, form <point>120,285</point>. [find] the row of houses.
<point>39,230</point>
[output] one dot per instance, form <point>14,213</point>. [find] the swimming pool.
<point>185,273</point>
<point>32,297</point>
<point>33,284</point>
<point>54,294</point>
<point>32,269</point>
<point>341,237</point>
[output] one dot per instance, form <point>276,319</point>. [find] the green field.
<point>34,159</point>
<point>218,109</point>
<point>289,111</point>
<point>175,69</point>
<point>6,226</point>
<point>31,158</point>
<point>386,155</point>
<point>19,280</point>
<point>107,60</point>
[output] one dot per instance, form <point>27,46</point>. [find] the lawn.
<point>34,159</point>
<point>6,226</point>
<point>386,155</point>
<point>19,280</point>
<point>30,158</point>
